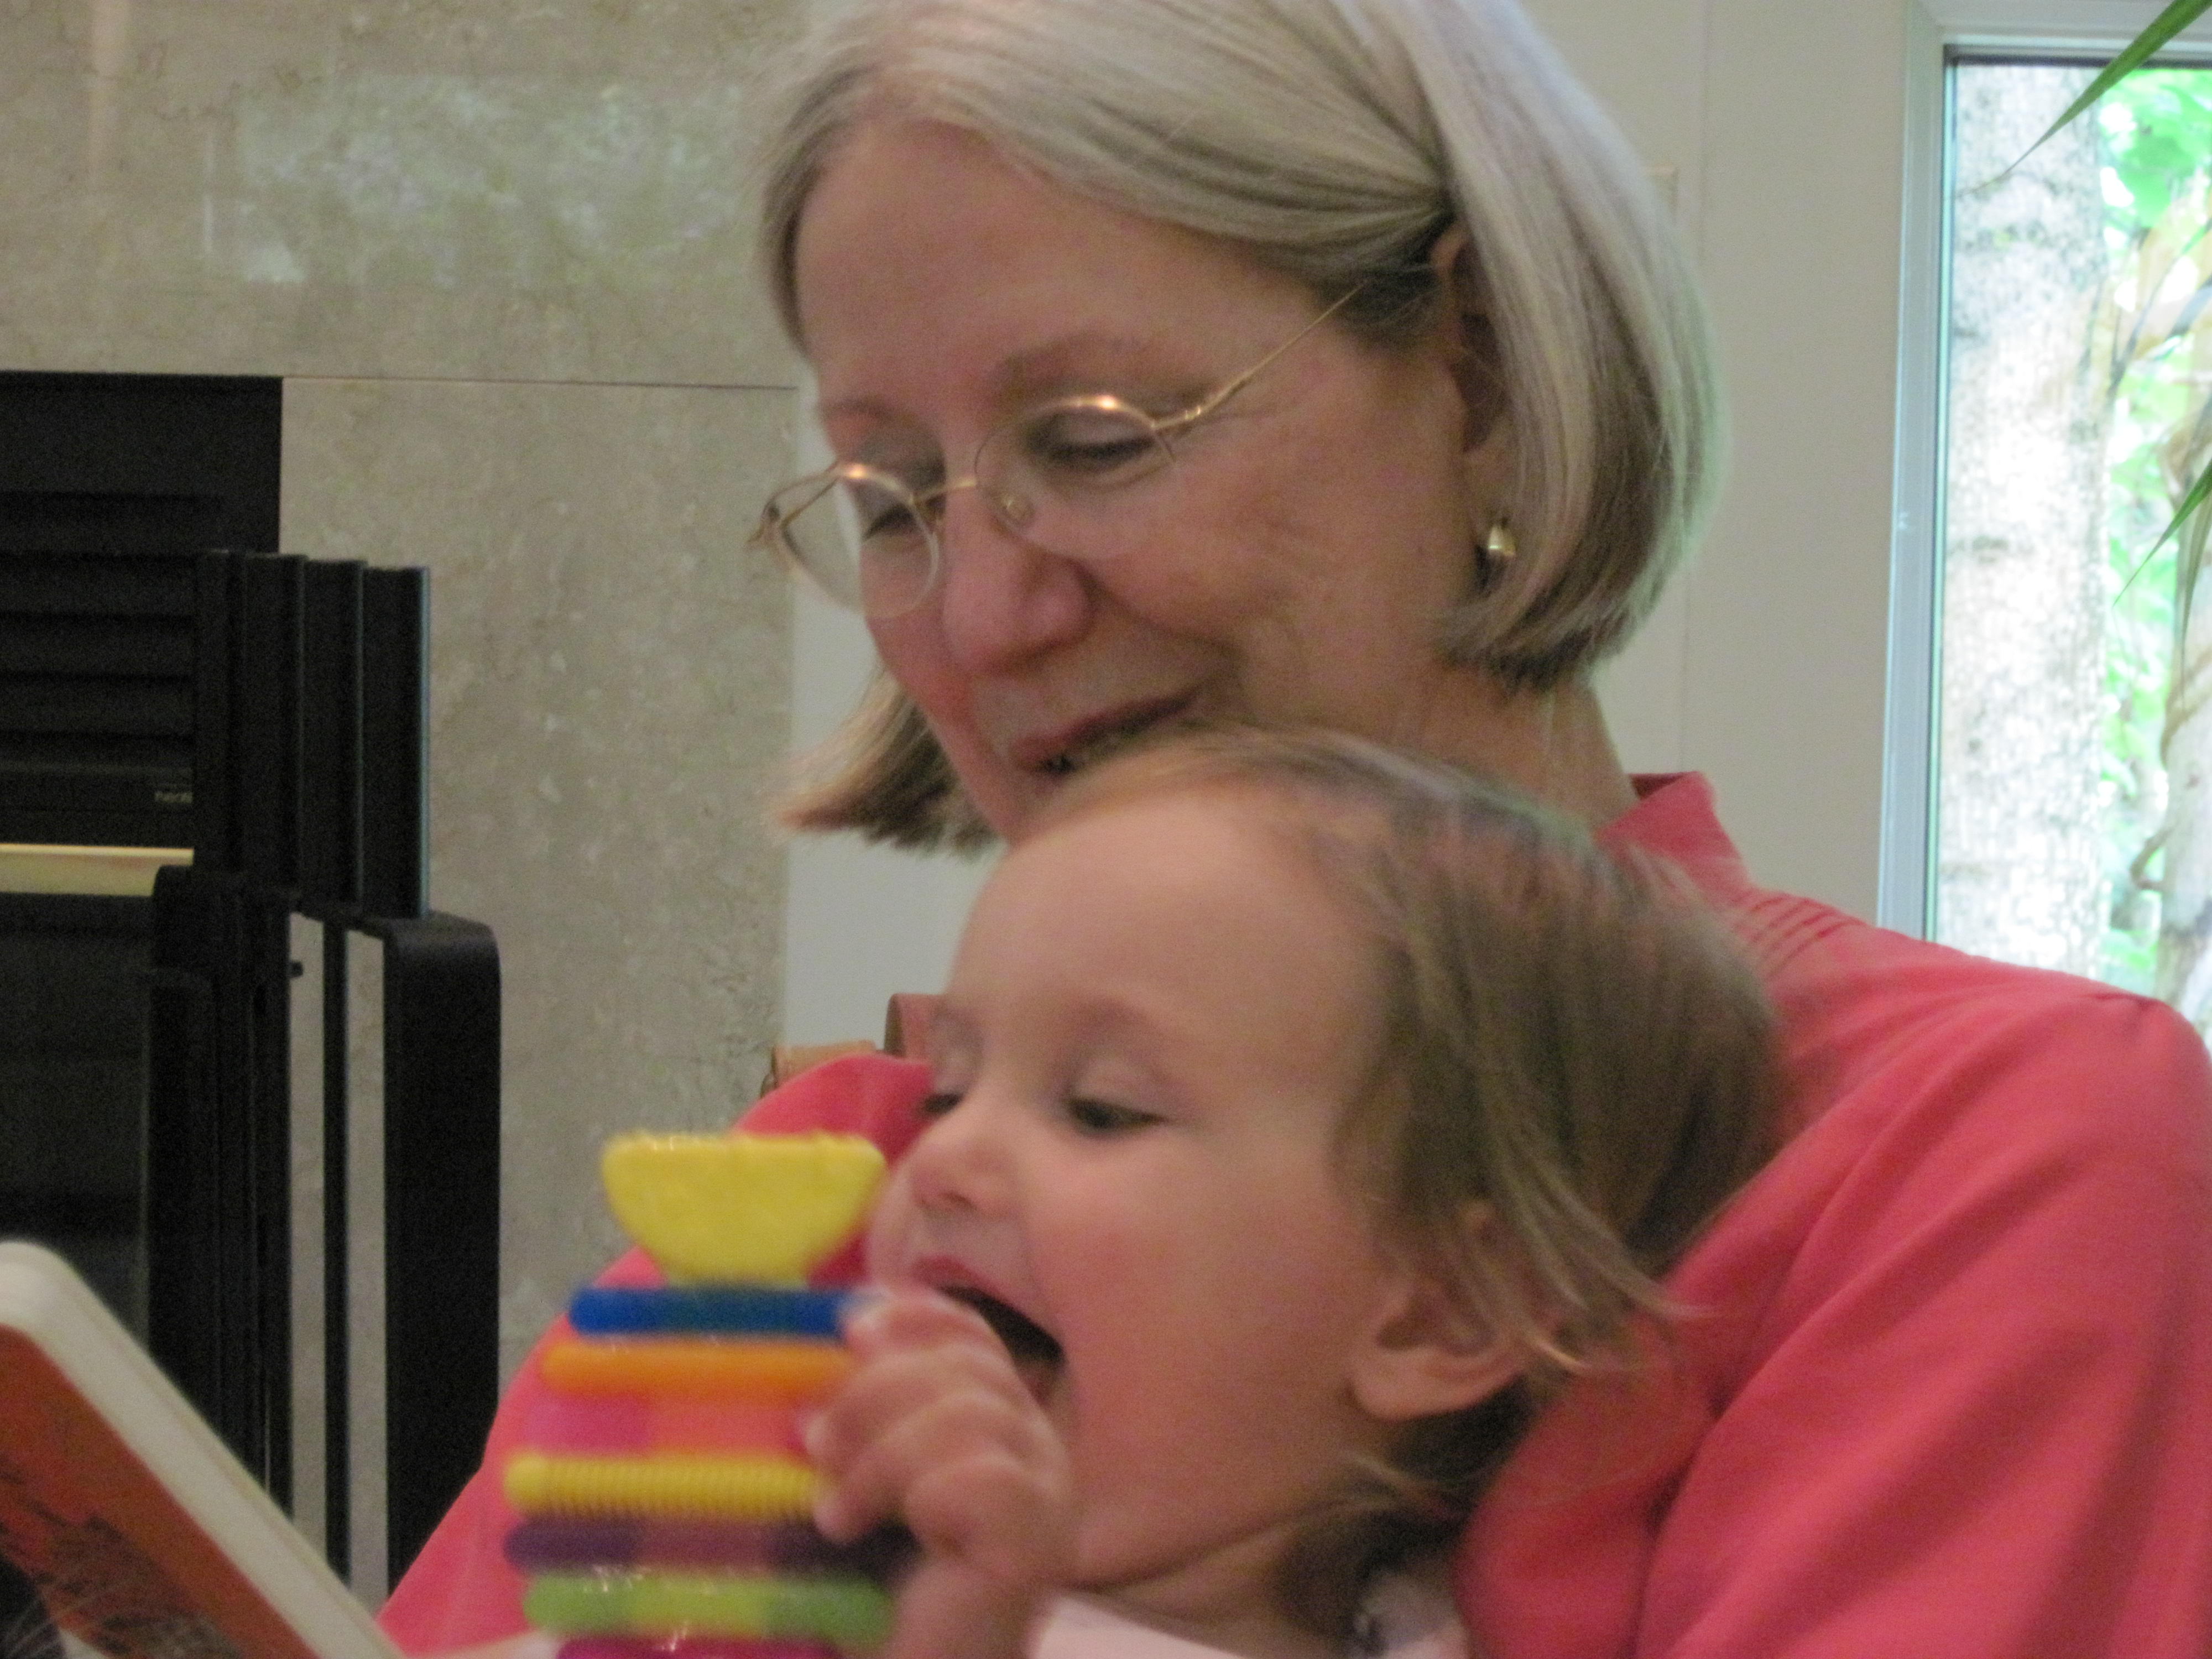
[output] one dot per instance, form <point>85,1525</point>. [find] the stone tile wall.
<point>500,253</point>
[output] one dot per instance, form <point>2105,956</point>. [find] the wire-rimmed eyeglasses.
<point>873,541</point>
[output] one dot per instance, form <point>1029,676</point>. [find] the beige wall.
<point>500,255</point>
<point>1784,122</point>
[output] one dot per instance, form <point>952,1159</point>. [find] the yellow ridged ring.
<point>756,1489</point>
<point>776,1373</point>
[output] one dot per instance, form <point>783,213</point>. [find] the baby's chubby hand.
<point>936,1429</point>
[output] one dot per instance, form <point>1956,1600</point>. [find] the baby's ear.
<point>1429,1353</point>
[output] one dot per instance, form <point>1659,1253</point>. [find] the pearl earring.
<point>1499,547</point>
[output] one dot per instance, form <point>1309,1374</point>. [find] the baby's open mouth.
<point>1036,1353</point>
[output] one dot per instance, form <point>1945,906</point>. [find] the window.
<point>2069,792</point>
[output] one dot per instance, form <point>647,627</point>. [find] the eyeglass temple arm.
<point>1207,405</point>
<point>1197,411</point>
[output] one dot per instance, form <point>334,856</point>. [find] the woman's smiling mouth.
<point>1090,741</point>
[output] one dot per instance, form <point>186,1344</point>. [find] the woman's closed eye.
<point>939,1101</point>
<point>1090,447</point>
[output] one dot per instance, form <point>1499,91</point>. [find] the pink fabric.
<point>1947,1382</point>
<point>1945,1385</point>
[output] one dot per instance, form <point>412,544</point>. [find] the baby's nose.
<point>958,1164</point>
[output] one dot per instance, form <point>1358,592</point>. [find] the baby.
<point>1304,1115</point>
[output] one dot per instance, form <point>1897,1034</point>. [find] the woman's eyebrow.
<point>1073,362</point>
<point>846,408</point>
<point>884,438</point>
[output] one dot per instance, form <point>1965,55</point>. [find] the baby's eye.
<point>939,1101</point>
<point>1101,1117</point>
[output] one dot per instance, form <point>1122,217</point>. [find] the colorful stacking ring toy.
<point>664,1494</point>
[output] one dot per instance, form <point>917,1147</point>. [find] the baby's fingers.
<point>936,1428</point>
<point>909,1317</point>
<point>930,1374</point>
<point>945,1414</point>
<point>1004,1512</point>
<point>949,1611</point>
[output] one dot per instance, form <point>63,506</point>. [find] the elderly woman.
<point>1327,360</point>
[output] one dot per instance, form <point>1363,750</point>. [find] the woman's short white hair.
<point>1335,140</point>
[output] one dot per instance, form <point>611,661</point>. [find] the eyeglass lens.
<point>859,534</point>
<point>869,537</point>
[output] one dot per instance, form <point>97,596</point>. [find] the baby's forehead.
<point>1182,828</point>
<point>1175,859</point>
<point>1171,893</point>
<point>1168,784</point>
<point>1316,840</point>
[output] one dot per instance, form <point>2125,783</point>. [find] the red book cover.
<point>139,1532</point>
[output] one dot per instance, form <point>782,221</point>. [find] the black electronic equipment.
<point>169,680</point>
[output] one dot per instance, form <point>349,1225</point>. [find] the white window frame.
<point>1934,30</point>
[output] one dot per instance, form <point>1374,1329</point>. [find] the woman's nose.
<point>1004,600</point>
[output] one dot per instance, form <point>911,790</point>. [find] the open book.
<point>131,1523</point>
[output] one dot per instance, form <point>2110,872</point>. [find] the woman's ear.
<point>1468,338</point>
<point>1427,1353</point>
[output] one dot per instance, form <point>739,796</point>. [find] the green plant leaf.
<point>2185,582</point>
<point>2190,559</point>
<point>2170,22</point>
